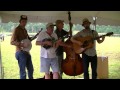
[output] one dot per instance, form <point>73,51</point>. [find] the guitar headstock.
<point>109,34</point>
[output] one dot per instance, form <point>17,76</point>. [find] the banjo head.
<point>28,43</point>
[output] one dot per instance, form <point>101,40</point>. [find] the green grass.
<point>110,47</point>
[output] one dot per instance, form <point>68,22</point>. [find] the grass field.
<point>110,47</point>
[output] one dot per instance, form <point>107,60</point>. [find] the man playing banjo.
<point>22,55</point>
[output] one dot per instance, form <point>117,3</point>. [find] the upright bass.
<point>72,65</point>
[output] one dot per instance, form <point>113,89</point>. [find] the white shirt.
<point>47,53</point>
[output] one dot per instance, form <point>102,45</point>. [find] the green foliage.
<point>35,27</point>
<point>105,29</point>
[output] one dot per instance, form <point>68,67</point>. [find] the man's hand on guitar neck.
<point>100,40</point>
<point>103,38</point>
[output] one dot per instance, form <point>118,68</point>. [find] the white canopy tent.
<point>103,17</point>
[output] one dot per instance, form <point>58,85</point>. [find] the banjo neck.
<point>34,37</point>
<point>28,42</point>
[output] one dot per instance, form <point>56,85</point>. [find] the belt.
<point>25,52</point>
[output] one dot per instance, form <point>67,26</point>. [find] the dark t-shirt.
<point>60,34</point>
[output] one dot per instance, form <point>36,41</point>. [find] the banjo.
<point>28,43</point>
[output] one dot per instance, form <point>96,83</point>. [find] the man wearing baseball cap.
<point>23,57</point>
<point>48,56</point>
<point>88,55</point>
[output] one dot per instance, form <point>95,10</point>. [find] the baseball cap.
<point>50,24</point>
<point>23,17</point>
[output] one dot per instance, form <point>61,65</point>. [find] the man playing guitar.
<point>89,55</point>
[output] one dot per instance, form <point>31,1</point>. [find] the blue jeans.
<point>86,60</point>
<point>60,58</point>
<point>24,61</point>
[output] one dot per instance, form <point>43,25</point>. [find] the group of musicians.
<point>51,54</point>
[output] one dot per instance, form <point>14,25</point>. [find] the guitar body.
<point>84,40</point>
<point>88,42</point>
<point>47,46</point>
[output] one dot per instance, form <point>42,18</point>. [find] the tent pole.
<point>0,62</point>
<point>95,23</point>
<point>94,19</point>
<point>1,69</point>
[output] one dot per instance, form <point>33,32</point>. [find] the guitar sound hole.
<point>85,44</point>
<point>46,46</point>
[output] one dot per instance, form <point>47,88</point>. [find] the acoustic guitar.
<point>88,42</point>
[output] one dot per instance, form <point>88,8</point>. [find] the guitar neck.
<point>86,42</point>
<point>108,34</point>
<point>93,39</point>
<point>98,37</point>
